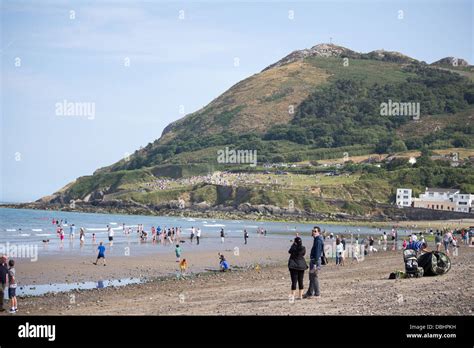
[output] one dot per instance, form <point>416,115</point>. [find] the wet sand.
<point>158,261</point>
<point>355,289</point>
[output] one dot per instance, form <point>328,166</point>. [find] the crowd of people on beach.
<point>156,235</point>
<point>324,245</point>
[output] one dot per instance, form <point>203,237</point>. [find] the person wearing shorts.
<point>438,241</point>
<point>110,233</point>
<point>12,286</point>
<point>447,239</point>
<point>101,255</point>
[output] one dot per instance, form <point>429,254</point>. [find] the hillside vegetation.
<point>313,105</point>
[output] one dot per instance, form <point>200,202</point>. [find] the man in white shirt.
<point>198,235</point>
<point>110,233</point>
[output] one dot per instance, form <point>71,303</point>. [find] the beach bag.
<point>324,259</point>
<point>434,263</point>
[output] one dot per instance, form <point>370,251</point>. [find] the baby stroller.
<point>411,264</point>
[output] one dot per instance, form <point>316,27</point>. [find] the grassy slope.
<point>257,103</point>
<point>254,104</point>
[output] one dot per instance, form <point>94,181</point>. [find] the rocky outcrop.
<point>331,50</point>
<point>321,50</point>
<point>451,61</point>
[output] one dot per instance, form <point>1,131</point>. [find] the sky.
<point>144,64</point>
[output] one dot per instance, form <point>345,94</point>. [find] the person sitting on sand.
<point>223,264</point>
<point>101,253</point>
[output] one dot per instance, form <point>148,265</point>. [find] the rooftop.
<point>441,190</point>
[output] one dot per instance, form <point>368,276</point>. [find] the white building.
<point>404,198</point>
<point>464,202</point>
<point>438,194</point>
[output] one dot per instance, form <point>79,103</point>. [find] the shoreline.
<point>237,215</point>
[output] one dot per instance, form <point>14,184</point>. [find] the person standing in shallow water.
<point>297,265</point>
<point>246,236</point>
<point>315,263</point>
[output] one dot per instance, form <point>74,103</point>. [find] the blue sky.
<point>173,62</point>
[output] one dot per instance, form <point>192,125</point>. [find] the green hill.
<point>314,104</point>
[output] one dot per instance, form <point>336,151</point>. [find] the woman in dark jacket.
<point>297,265</point>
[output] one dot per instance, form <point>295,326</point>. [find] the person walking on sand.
<point>246,236</point>
<point>297,265</point>
<point>177,251</point>
<point>12,286</point>
<point>192,234</point>
<point>438,240</point>
<point>315,263</point>
<point>222,235</point>
<point>198,235</point>
<point>182,266</point>
<point>447,239</point>
<point>101,255</point>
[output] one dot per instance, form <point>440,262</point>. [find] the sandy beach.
<point>355,289</point>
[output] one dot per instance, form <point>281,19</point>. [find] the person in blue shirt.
<point>224,265</point>
<point>101,255</point>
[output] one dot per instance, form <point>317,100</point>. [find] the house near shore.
<point>437,199</point>
<point>404,198</point>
